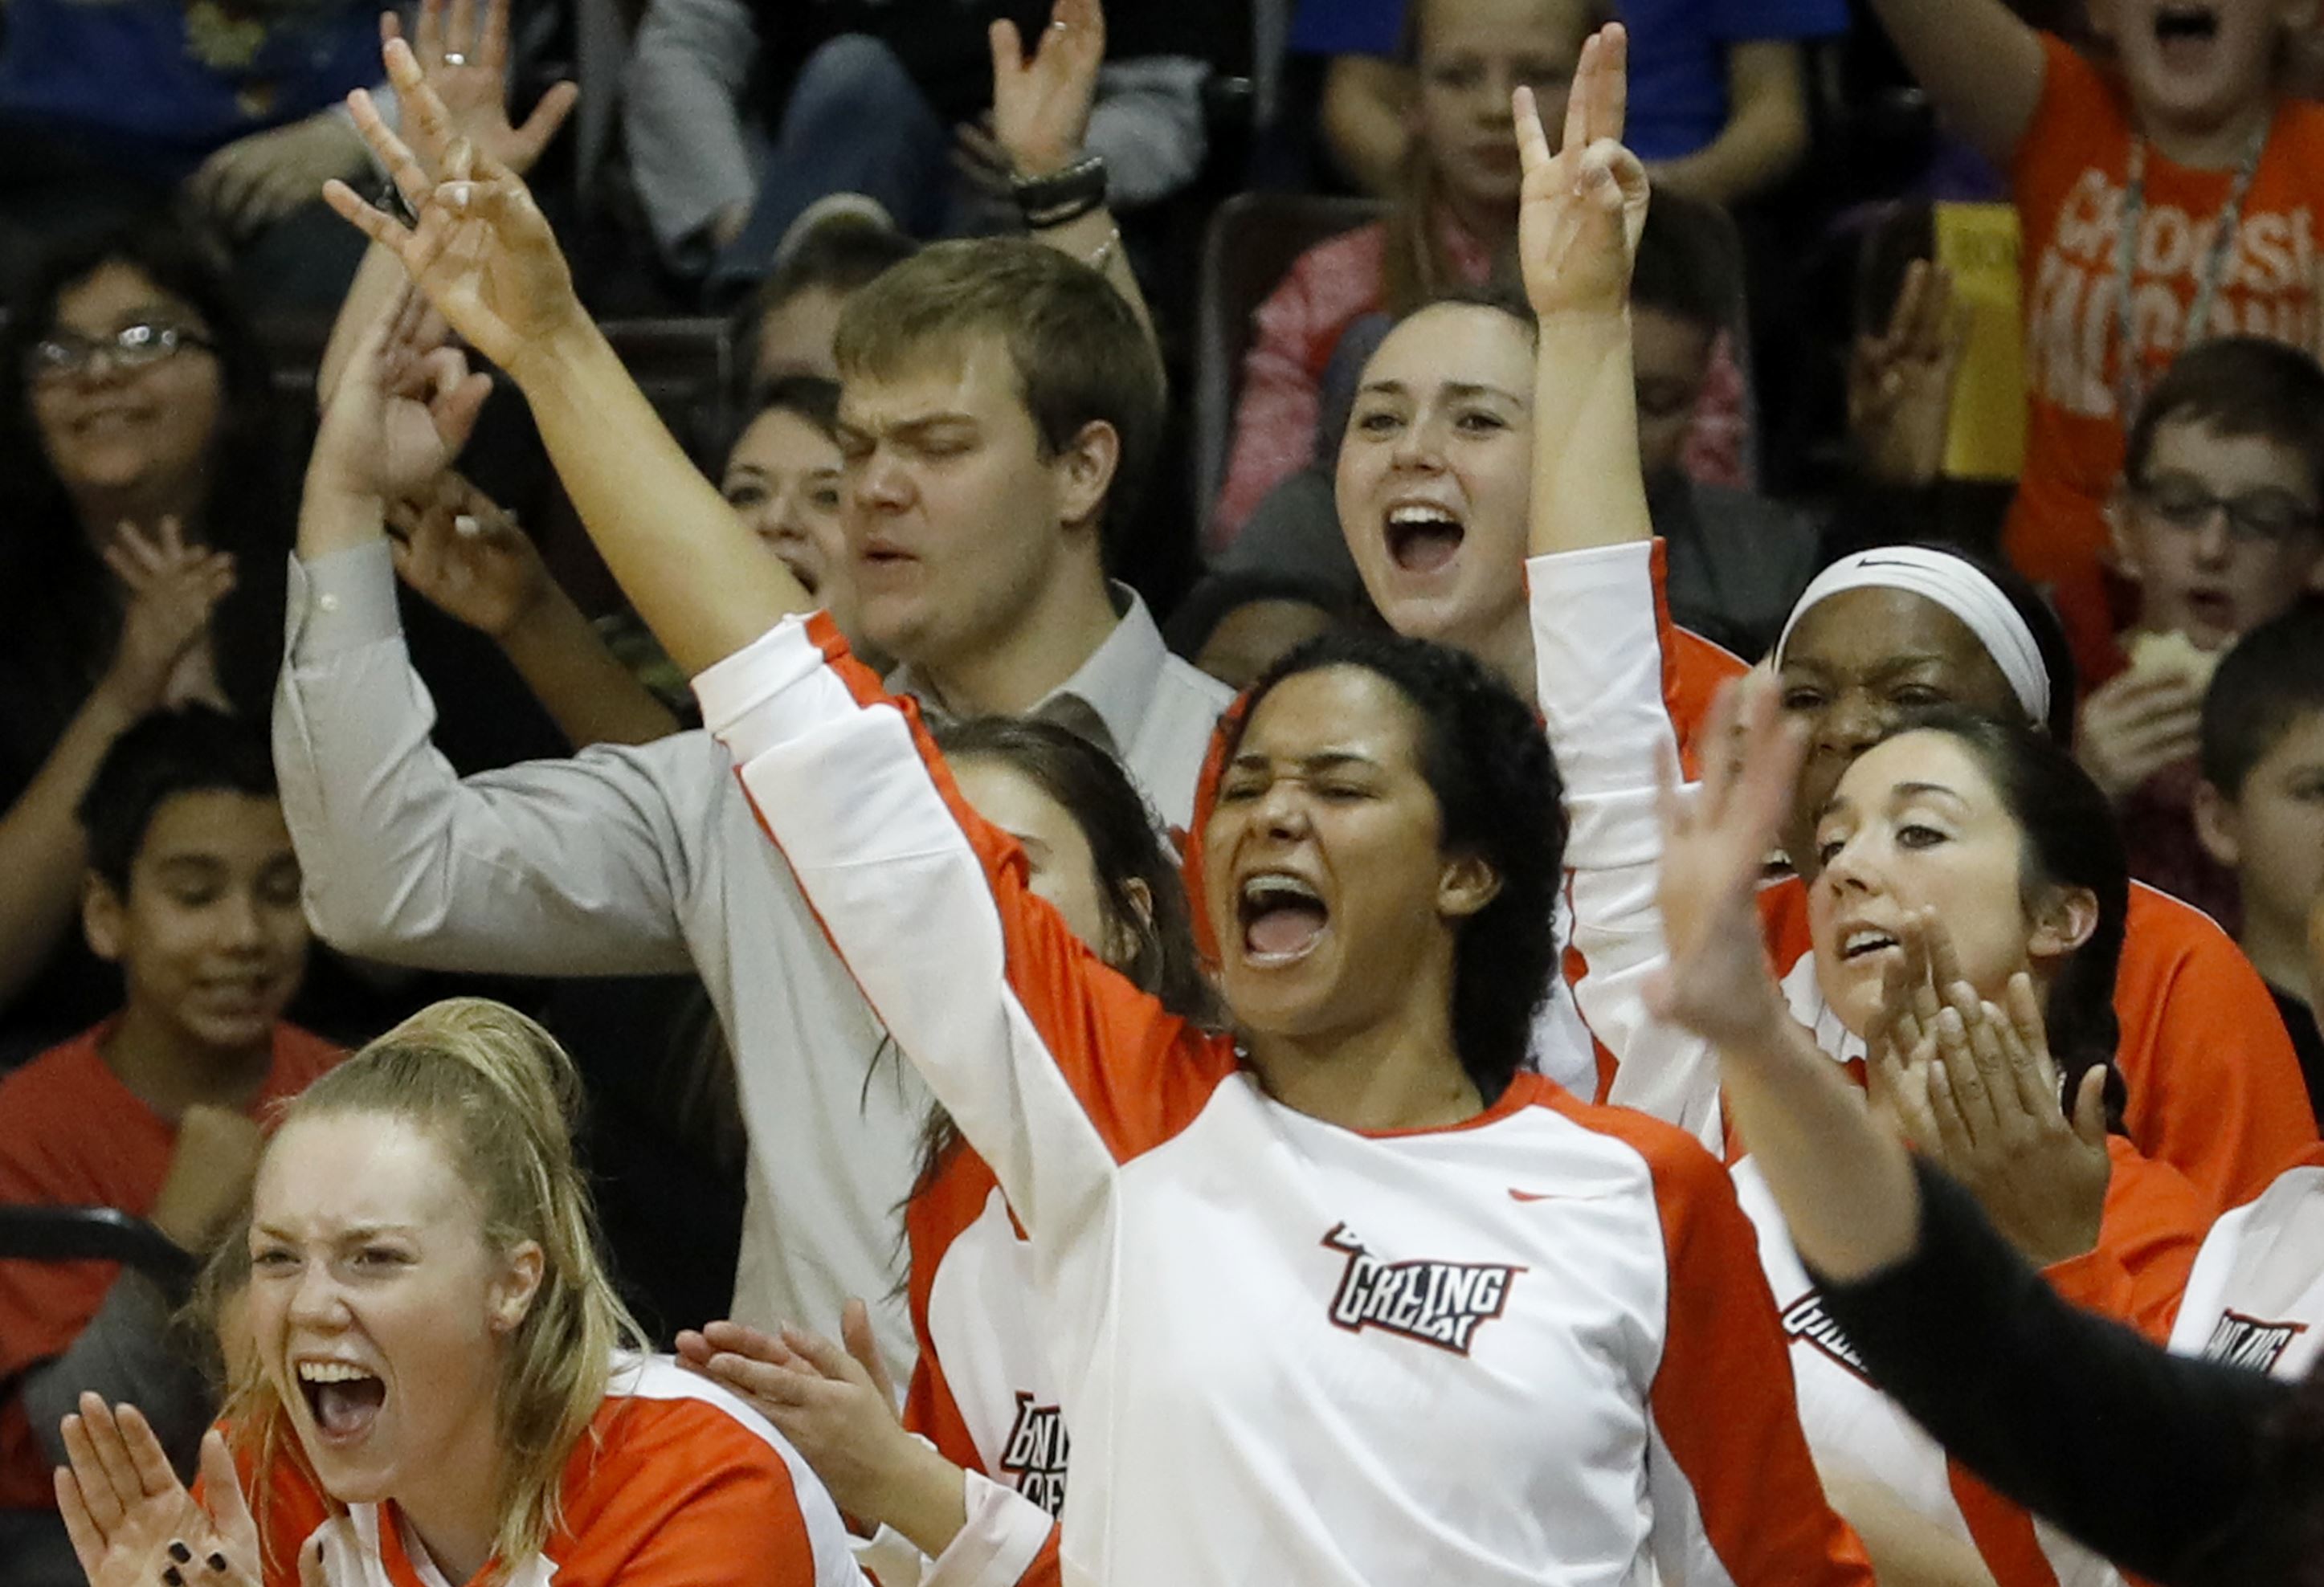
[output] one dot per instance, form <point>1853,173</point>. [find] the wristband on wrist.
<point>1062,196</point>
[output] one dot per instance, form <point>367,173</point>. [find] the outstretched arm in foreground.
<point>483,255</point>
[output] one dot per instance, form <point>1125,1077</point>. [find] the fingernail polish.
<point>169,1574</point>
<point>217,1561</point>
<point>179,1552</point>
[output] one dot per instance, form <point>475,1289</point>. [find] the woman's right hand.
<point>467,556</point>
<point>132,1522</point>
<point>482,250</point>
<point>1716,840</point>
<point>161,658</point>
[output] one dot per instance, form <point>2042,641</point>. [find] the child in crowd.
<point>1454,224</point>
<point>1717,105</point>
<point>2260,809</point>
<point>2166,200</point>
<point>2219,520</point>
<point>193,891</point>
<point>790,321</point>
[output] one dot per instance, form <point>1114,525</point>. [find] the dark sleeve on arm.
<point>131,1354</point>
<point>2153,1460</point>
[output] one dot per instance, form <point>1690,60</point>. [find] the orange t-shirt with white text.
<point>2069,183</point>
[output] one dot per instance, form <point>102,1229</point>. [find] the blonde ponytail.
<point>503,1098</point>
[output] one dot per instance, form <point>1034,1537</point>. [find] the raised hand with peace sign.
<point>1583,205</point>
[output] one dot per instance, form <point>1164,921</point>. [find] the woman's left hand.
<point>837,1406</point>
<point>1581,209</point>
<point>1041,107</point>
<point>1973,1087</point>
<point>1716,839</point>
<point>132,1522</point>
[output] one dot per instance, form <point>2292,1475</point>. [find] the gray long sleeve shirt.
<point>647,860</point>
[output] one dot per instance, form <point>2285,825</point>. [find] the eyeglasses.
<point>133,347</point>
<point>2263,517</point>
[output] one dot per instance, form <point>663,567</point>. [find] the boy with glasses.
<point>2218,523</point>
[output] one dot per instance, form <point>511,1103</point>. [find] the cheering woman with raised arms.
<point>1346,1296</point>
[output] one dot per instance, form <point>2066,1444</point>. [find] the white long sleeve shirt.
<point>645,860</point>
<point>1598,619</point>
<point>1531,1349</point>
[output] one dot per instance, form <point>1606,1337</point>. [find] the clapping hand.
<point>836,1407</point>
<point>1900,381</point>
<point>161,658</point>
<point>1580,209</point>
<point>132,1522</point>
<point>482,252</point>
<point>1972,1087</point>
<point>1715,842</point>
<point>467,67</point>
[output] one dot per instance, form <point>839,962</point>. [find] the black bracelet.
<point>1062,196</point>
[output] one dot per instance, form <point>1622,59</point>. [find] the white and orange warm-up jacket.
<point>1535,1347</point>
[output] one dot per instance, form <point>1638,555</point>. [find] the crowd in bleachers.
<point>872,691</point>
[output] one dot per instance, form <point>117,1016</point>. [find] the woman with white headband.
<point>1984,820</point>
<point>2213,1087</point>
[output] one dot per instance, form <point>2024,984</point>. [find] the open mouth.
<point>343,1398</point>
<point>1864,941</point>
<point>2185,25</point>
<point>1423,538</point>
<point>1283,917</point>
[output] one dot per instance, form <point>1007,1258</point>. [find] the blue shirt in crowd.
<point>1678,53</point>
<point>159,85</point>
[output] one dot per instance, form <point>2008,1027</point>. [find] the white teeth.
<point>331,1373</point>
<point>1274,885</point>
<point>1415,513</point>
<point>1864,942</point>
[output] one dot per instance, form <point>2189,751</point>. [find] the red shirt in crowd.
<point>71,1134</point>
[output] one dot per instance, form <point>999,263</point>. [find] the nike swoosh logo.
<point>1531,1195</point>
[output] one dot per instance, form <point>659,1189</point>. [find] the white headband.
<point>1956,586</point>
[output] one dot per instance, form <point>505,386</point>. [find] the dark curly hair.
<point>1485,757</point>
<point>2070,840</point>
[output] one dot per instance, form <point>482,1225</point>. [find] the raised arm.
<point>1580,214</point>
<point>1844,1184</point>
<point>1040,121</point>
<point>1981,65</point>
<point>466,61</point>
<point>160,658</point>
<point>483,255</point>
